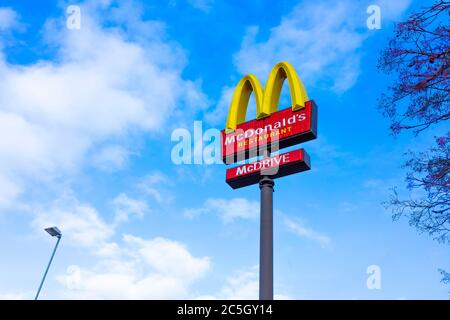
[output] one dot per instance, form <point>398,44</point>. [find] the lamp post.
<point>54,232</point>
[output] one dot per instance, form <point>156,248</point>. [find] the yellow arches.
<point>274,83</point>
<point>239,103</point>
<point>266,100</point>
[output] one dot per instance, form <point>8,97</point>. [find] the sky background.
<point>86,118</point>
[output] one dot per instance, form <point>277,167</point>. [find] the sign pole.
<point>266,239</point>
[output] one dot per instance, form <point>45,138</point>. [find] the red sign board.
<point>281,129</point>
<point>275,167</point>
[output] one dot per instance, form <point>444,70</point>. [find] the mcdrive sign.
<point>271,130</point>
<point>275,167</point>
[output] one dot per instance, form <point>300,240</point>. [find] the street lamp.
<point>54,232</point>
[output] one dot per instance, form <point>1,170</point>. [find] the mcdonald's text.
<point>280,130</point>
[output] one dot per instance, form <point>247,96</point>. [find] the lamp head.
<point>54,232</point>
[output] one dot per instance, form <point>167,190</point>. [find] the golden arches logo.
<point>266,100</point>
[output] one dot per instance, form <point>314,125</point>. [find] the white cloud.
<point>81,225</point>
<point>126,206</point>
<point>203,5</point>
<point>392,10</point>
<point>242,284</point>
<point>228,210</point>
<point>147,269</point>
<point>111,158</point>
<point>9,190</point>
<point>347,207</point>
<point>8,19</point>
<point>169,257</point>
<point>323,40</point>
<point>136,268</point>
<point>129,268</point>
<point>55,113</point>
<point>155,185</point>
<point>13,296</point>
<point>156,177</point>
<point>295,40</point>
<point>199,175</point>
<point>299,229</point>
<point>333,60</point>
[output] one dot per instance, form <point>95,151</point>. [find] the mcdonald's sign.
<point>272,129</point>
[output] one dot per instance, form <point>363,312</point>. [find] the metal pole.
<point>46,270</point>
<point>266,239</point>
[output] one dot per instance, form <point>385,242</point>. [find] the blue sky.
<point>86,118</point>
